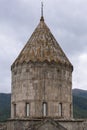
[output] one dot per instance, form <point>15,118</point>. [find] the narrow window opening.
<point>44,109</point>
<point>60,109</point>
<point>14,110</point>
<point>70,110</point>
<point>27,109</point>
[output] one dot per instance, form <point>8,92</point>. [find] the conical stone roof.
<point>41,47</point>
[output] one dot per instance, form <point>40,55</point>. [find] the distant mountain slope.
<point>80,93</point>
<point>5,106</point>
<point>79,104</point>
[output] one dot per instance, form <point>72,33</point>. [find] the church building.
<point>41,78</point>
<point>42,86</point>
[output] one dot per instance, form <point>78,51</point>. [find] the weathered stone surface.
<point>46,124</point>
<point>3,126</point>
<point>42,82</point>
<point>42,74</point>
<point>49,124</point>
<point>41,47</point>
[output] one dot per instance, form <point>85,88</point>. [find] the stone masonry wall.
<point>39,124</point>
<point>38,83</point>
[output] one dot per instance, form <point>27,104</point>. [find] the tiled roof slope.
<point>41,47</point>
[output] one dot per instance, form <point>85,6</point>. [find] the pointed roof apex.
<point>42,47</point>
<point>42,18</point>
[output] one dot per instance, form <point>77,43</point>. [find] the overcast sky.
<point>67,20</point>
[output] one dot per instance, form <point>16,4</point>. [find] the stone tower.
<point>41,78</point>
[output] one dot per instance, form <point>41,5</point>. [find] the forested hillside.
<point>80,103</point>
<point>4,106</point>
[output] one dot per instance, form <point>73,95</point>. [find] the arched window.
<point>44,109</point>
<point>60,109</point>
<point>27,109</point>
